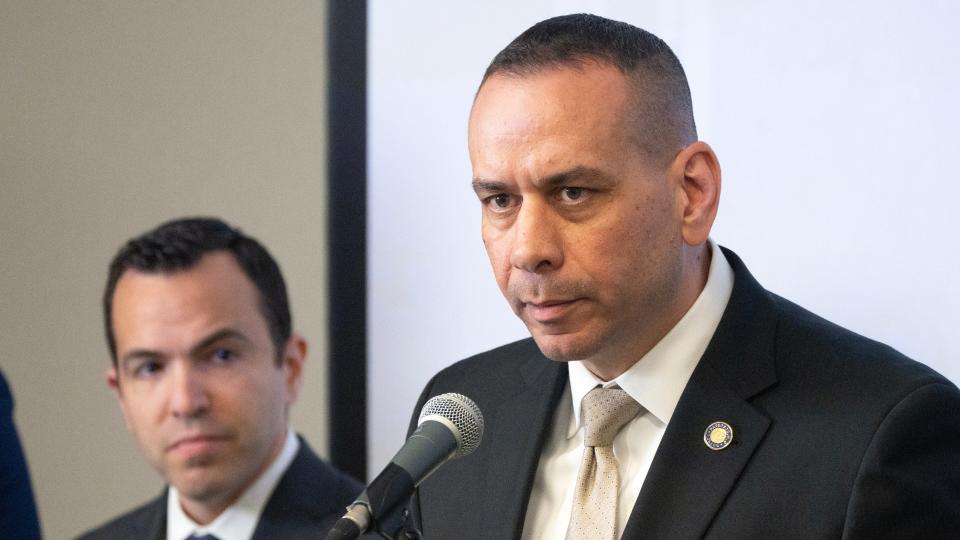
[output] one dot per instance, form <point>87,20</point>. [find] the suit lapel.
<point>686,477</point>
<point>288,505</point>
<point>518,430</point>
<point>301,499</point>
<point>155,521</point>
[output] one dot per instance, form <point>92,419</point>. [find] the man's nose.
<point>537,241</point>
<point>189,397</point>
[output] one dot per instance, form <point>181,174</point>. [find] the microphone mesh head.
<point>463,413</point>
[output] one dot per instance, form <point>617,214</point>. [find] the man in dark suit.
<point>746,416</point>
<point>205,369</point>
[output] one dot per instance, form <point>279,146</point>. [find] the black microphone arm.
<point>450,426</point>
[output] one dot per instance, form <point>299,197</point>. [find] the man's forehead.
<point>592,75</point>
<point>177,310</point>
<point>571,118</point>
<point>578,96</point>
<point>216,281</point>
<point>216,265</point>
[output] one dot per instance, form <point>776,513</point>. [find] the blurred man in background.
<point>205,370</point>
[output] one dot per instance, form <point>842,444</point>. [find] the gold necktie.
<point>603,412</point>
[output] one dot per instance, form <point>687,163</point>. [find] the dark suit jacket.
<point>18,513</point>
<point>835,436</point>
<point>309,498</point>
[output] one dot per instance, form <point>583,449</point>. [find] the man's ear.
<point>699,173</point>
<point>294,355</point>
<point>113,381</point>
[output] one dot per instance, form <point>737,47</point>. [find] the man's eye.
<point>571,194</point>
<point>500,201</point>
<point>223,355</point>
<point>148,369</point>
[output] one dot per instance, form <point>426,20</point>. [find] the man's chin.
<point>200,483</point>
<point>208,490</point>
<point>565,347</point>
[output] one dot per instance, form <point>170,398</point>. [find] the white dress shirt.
<point>656,382</point>
<point>240,519</point>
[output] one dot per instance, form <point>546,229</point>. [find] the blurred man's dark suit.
<point>835,436</point>
<point>309,498</point>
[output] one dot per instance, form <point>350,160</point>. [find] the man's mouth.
<point>194,445</point>
<point>550,310</point>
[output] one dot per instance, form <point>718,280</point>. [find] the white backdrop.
<point>834,125</point>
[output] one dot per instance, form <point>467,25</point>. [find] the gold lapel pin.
<point>718,435</point>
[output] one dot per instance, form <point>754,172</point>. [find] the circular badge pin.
<point>718,435</point>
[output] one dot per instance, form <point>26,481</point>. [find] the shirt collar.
<point>659,377</point>
<point>240,519</point>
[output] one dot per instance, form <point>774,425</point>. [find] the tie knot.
<point>604,411</point>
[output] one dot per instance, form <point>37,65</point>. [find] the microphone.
<point>450,426</point>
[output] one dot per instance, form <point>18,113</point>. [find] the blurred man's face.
<point>582,231</point>
<point>197,377</point>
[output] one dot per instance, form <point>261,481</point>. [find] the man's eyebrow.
<point>139,354</point>
<point>482,185</point>
<point>226,333</point>
<point>577,174</point>
<point>580,173</point>
<point>147,354</point>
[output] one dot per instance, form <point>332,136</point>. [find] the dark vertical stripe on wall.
<point>347,203</point>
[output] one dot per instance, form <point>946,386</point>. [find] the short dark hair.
<point>663,94</point>
<point>179,244</point>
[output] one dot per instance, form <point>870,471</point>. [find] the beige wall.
<point>114,116</point>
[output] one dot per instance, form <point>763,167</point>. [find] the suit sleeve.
<point>18,513</point>
<point>908,485</point>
